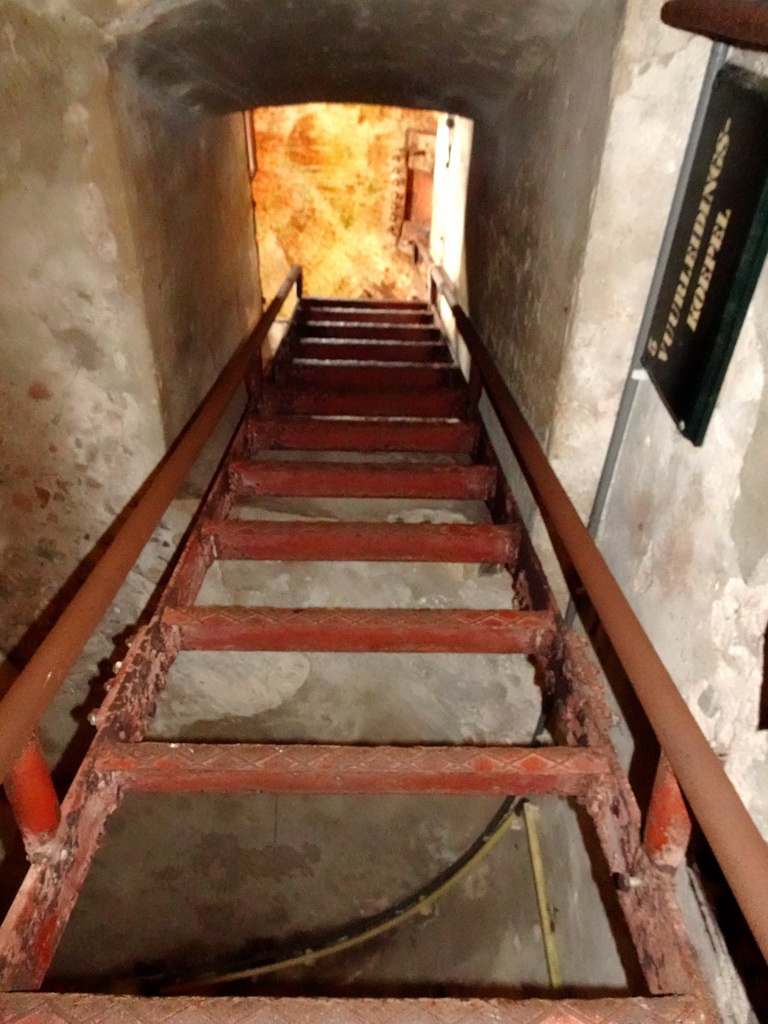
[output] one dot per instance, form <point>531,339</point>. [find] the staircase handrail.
<point>735,840</point>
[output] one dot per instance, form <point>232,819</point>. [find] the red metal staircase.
<point>360,377</point>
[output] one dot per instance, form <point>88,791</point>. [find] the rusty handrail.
<point>34,688</point>
<point>733,836</point>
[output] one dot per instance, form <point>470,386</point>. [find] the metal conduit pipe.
<point>32,691</point>
<point>733,836</point>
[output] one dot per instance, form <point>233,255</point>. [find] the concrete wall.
<point>534,171</point>
<point>685,529</point>
<point>101,320</point>
<point>459,56</point>
<point>186,185</point>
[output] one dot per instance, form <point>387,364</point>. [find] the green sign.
<point>718,250</point>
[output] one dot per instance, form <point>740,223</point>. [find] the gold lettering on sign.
<point>708,268</point>
<point>706,202</point>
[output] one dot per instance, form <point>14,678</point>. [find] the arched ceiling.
<point>457,55</point>
<point>535,75</point>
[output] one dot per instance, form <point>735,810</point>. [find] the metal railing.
<point>22,768</point>
<point>733,836</point>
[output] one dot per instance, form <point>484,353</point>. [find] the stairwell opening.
<point>201,883</point>
<point>190,71</point>
<point>345,191</point>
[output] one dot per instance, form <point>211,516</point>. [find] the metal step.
<point>361,542</point>
<point>321,768</point>
<point>371,376</point>
<point>397,351</point>
<point>360,480</point>
<point>52,1008</point>
<point>389,353</point>
<point>439,403</point>
<point>362,630</point>
<point>340,435</point>
<point>324,302</point>
<point>370,332</point>
<point>371,315</point>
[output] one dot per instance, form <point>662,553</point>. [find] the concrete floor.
<point>189,878</point>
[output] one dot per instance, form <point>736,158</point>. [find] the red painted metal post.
<point>39,913</point>
<point>667,823</point>
<point>32,797</point>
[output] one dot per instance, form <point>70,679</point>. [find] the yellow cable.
<point>530,814</point>
<point>310,956</point>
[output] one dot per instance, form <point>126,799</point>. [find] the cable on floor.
<point>363,929</point>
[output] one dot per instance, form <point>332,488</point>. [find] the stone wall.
<point>186,184</point>
<point>685,529</point>
<point>127,274</point>
<point>534,171</point>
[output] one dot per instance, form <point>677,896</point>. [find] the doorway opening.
<point>349,191</point>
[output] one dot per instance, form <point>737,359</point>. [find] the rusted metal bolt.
<point>93,718</point>
<point>625,882</point>
<point>40,856</point>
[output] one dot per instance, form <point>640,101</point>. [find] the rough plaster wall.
<point>643,151</point>
<point>689,544</point>
<point>82,423</point>
<point>186,180</point>
<point>685,529</point>
<point>533,174</point>
<point>680,533</point>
